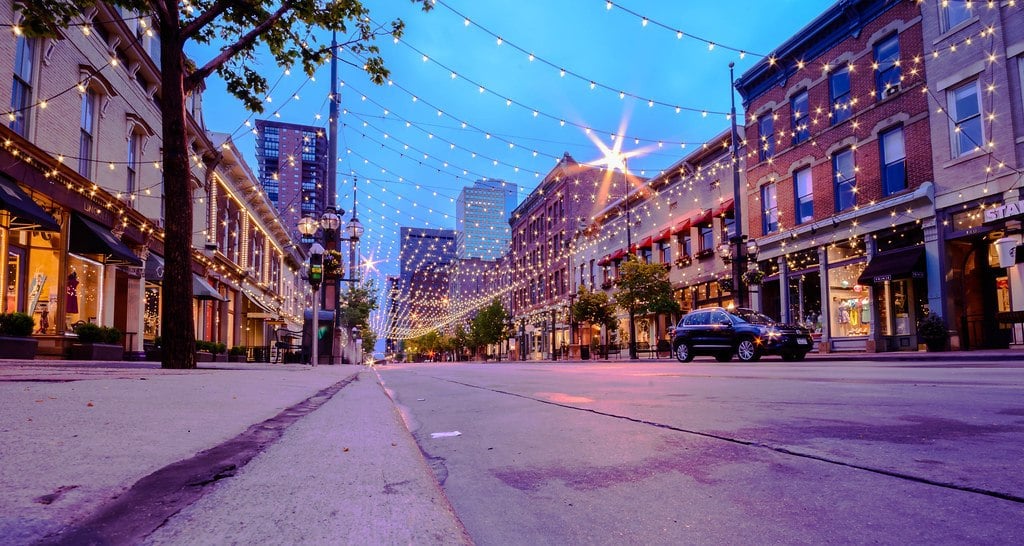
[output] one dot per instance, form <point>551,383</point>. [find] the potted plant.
<point>752,276</point>
<point>237,354</point>
<point>15,336</point>
<point>683,261</point>
<point>219,349</point>
<point>96,342</point>
<point>933,332</point>
<point>725,284</point>
<point>204,350</point>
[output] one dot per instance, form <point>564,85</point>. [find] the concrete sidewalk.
<point>75,437</point>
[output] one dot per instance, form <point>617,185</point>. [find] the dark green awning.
<point>88,237</point>
<point>896,264</point>
<point>25,213</point>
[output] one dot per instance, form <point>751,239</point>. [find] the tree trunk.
<point>176,322</point>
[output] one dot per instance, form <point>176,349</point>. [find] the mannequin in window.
<point>71,303</point>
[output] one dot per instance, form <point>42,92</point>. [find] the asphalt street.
<point>663,453</point>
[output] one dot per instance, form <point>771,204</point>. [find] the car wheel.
<point>747,350</point>
<point>724,356</point>
<point>788,357</point>
<point>683,353</point>
<point>799,356</point>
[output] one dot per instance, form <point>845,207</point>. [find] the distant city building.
<point>423,247</point>
<point>418,298</point>
<point>292,165</point>
<point>482,212</point>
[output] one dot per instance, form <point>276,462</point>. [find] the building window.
<point>132,165</point>
<point>664,252</point>
<point>706,237</point>
<point>21,92</point>
<point>685,245</point>
<point>770,209</point>
<point>839,88</point>
<point>954,12</point>
<point>766,136</point>
<point>965,117</point>
<point>801,115</point>
<point>87,128</point>
<point>894,161</point>
<point>887,68</point>
<point>845,180</point>
<point>804,195</point>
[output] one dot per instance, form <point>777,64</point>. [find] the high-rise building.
<point>292,163</point>
<point>481,214</point>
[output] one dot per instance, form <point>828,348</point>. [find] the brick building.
<point>839,177</point>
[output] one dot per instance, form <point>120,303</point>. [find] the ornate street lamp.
<point>330,221</point>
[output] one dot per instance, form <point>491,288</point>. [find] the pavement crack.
<point>154,499</point>
<point>761,445</point>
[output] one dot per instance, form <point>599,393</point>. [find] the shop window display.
<point>849,302</point>
<point>82,291</point>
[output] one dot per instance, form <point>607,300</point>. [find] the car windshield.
<point>753,317</point>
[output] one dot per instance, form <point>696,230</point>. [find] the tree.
<point>644,288</point>
<point>281,26</point>
<point>594,308</point>
<point>488,325</point>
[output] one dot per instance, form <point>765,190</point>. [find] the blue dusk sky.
<point>412,157</point>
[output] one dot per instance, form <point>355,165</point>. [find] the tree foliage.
<point>594,308</point>
<point>488,326</point>
<point>644,288</point>
<point>284,28</point>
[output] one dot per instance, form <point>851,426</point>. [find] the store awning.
<point>895,264</point>
<point>88,237</point>
<point>154,268</point>
<point>201,290</point>
<point>646,242</point>
<point>724,208</point>
<point>607,259</point>
<point>618,254</point>
<point>683,226</point>
<point>663,235</point>
<point>25,213</point>
<point>701,217</point>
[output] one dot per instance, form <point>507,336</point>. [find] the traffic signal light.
<point>316,269</point>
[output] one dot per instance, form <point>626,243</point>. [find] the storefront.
<point>977,288</point>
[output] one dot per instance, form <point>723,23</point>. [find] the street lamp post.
<point>629,252</point>
<point>355,231</point>
<point>330,221</point>
<point>739,289</point>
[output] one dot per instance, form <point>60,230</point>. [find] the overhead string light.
<point>534,112</point>
<point>679,34</point>
<point>563,71</point>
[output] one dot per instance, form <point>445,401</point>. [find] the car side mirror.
<point>725,322</point>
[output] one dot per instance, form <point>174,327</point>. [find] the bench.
<point>285,342</point>
<point>661,347</point>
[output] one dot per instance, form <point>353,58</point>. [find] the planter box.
<point>220,358</point>
<point>237,358</point>
<point>203,356</point>
<point>21,348</point>
<point>95,351</point>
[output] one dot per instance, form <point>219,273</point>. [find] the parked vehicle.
<point>749,335</point>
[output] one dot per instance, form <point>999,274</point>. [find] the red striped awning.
<point>646,242</point>
<point>724,208</point>
<point>607,259</point>
<point>664,235</point>
<point>618,254</point>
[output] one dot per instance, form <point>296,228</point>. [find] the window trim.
<point>766,148</point>
<point>880,89</point>
<point>955,121</point>
<point>846,109</point>
<point>27,86</point>
<point>800,135</point>
<point>944,23</point>
<point>767,225</point>
<point>837,183</point>
<point>797,201</point>
<point>89,98</point>
<point>885,165</point>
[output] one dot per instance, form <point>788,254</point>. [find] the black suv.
<point>722,332</point>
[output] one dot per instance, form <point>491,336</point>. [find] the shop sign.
<point>1003,212</point>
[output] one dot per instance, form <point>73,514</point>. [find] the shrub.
<point>237,351</point>
<point>111,335</point>
<point>933,328</point>
<point>88,332</point>
<point>16,324</point>
<point>219,348</point>
<point>203,345</point>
